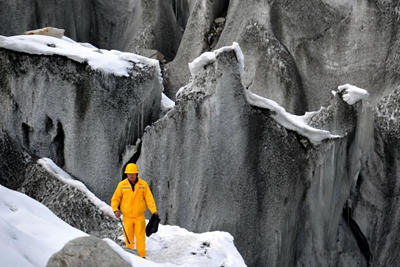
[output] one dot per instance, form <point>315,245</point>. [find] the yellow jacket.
<point>133,203</point>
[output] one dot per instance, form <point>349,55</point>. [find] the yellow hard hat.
<point>131,168</point>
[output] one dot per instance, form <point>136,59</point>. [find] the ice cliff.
<point>224,158</point>
<point>80,106</point>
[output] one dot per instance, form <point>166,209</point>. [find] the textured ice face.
<point>284,118</point>
<point>61,101</point>
<point>239,153</point>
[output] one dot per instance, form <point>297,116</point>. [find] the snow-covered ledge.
<point>107,61</point>
<point>290,121</point>
<point>209,57</point>
<point>64,177</point>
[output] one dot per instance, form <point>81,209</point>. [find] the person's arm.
<point>116,200</point>
<point>151,204</point>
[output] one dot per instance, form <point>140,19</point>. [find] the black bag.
<point>152,226</point>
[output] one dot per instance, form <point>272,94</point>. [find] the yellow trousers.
<point>136,229</point>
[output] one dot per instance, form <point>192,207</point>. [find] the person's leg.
<point>140,231</point>
<point>129,229</point>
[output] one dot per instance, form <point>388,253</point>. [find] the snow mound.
<point>209,57</point>
<point>289,121</point>
<point>172,244</point>
<point>64,177</point>
<point>352,94</point>
<point>29,232</point>
<point>107,61</point>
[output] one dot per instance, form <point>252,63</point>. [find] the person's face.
<point>132,176</point>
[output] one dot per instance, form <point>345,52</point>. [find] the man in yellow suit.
<point>132,195</point>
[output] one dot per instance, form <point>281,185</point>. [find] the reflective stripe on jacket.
<point>133,203</point>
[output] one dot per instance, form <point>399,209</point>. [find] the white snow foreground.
<point>171,245</point>
<point>352,94</point>
<point>29,232</point>
<point>107,61</point>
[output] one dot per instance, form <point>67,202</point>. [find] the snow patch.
<point>352,94</point>
<point>64,177</point>
<point>209,57</point>
<point>178,246</point>
<point>65,38</point>
<point>166,103</point>
<point>292,122</point>
<point>107,61</point>
<point>50,31</point>
<point>204,59</point>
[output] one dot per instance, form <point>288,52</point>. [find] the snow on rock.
<point>209,57</point>
<point>65,38</point>
<point>108,61</point>
<point>204,59</point>
<point>172,244</point>
<point>29,232</point>
<point>166,103</point>
<point>64,177</point>
<point>352,94</point>
<point>289,121</point>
